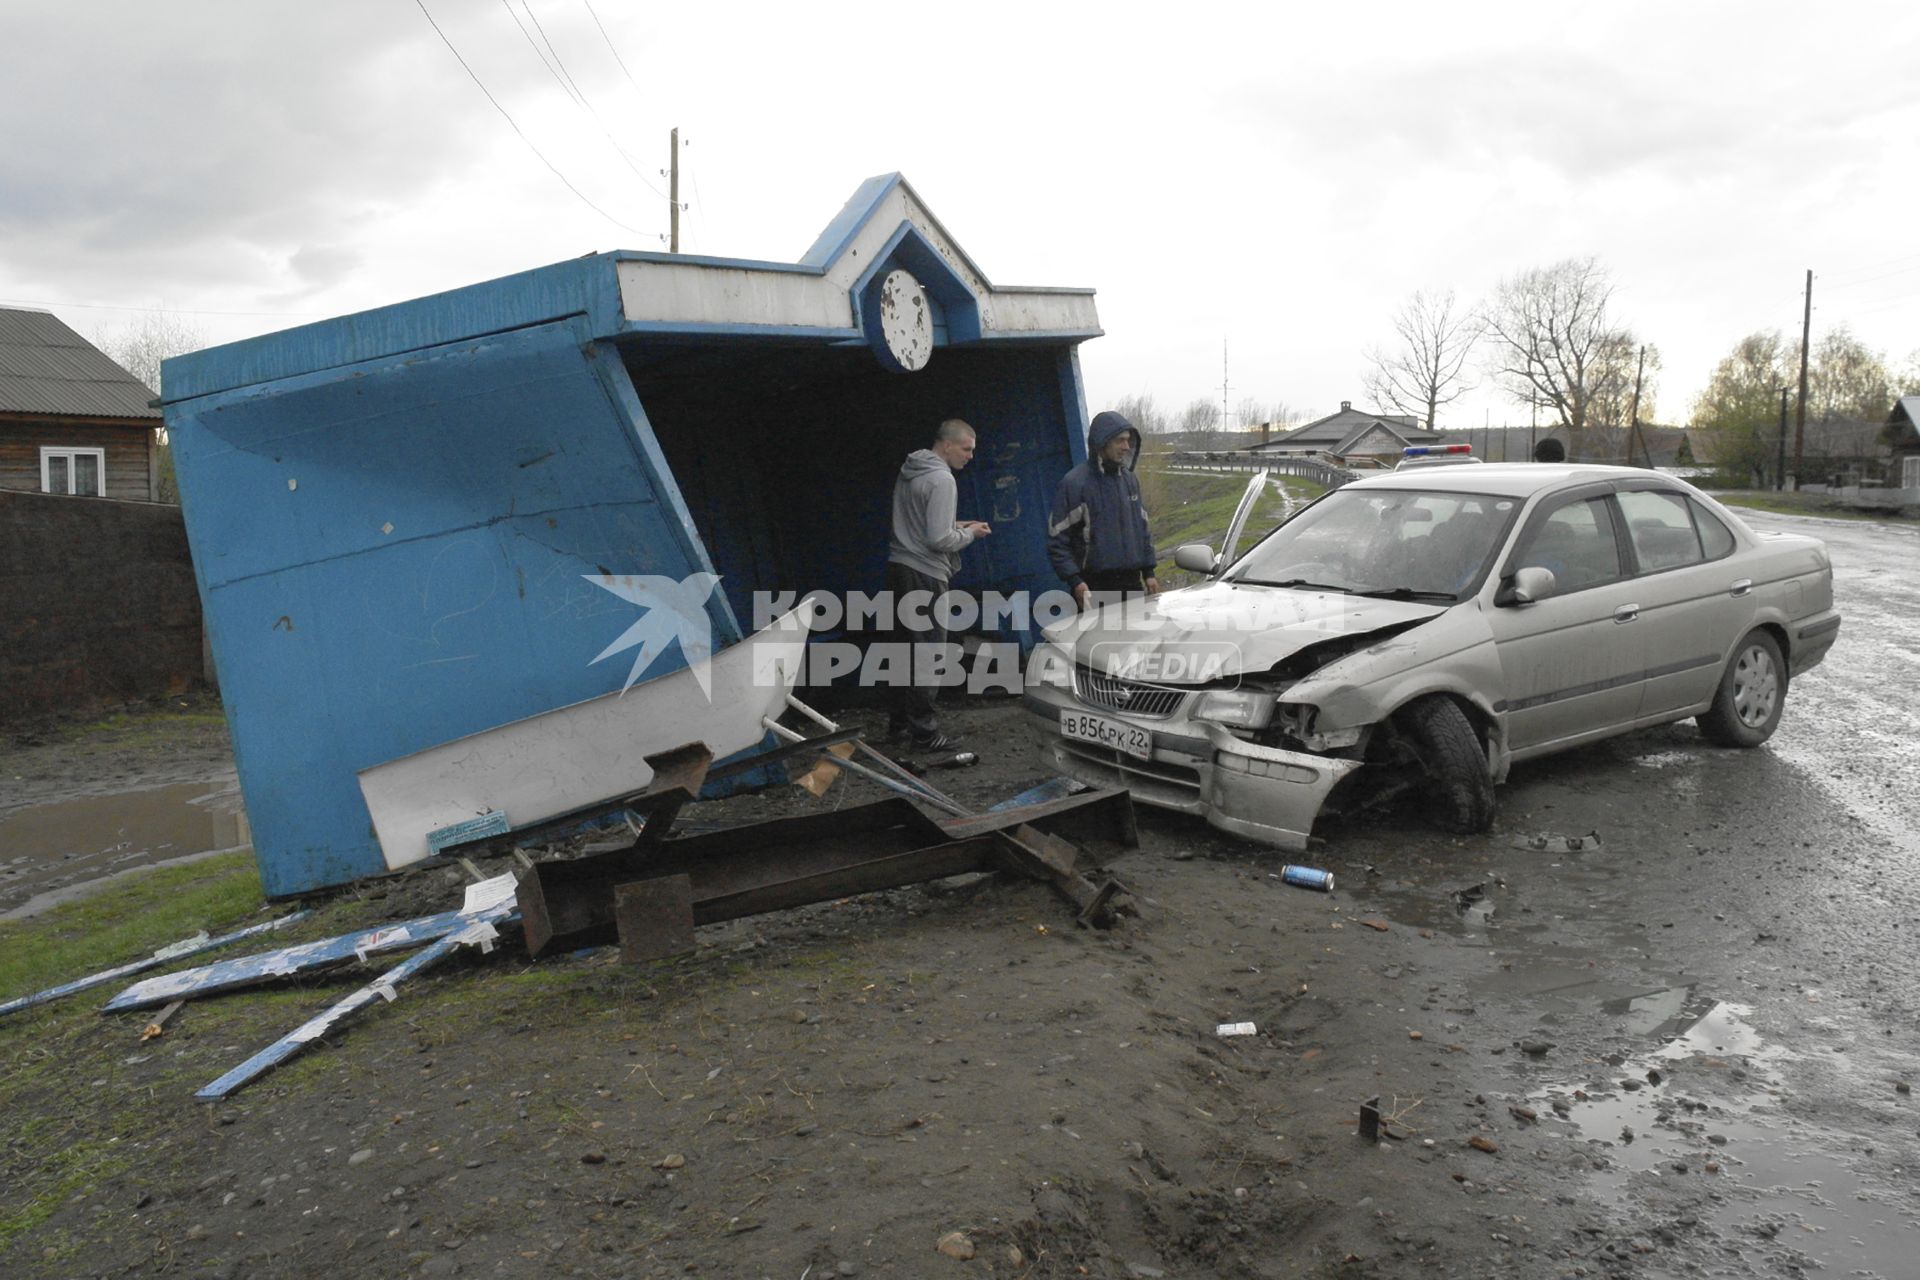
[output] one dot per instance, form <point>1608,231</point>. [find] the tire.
<point>1753,692</point>
<point>1460,796</point>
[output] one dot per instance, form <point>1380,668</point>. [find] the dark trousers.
<point>910,704</point>
<point>1110,585</point>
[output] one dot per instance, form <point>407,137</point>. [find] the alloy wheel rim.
<point>1756,686</point>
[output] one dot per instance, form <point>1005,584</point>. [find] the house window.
<point>1910,473</point>
<point>75,471</point>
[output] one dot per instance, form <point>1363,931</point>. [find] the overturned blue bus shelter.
<point>393,515</point>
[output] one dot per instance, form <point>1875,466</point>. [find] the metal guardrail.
<point>1229,460</point>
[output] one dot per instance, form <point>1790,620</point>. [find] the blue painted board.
<point>381,988</point>
<point>176,951</point>
<point>245,971</point>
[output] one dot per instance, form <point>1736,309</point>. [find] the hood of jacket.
<point>922,462</point>
<point>1104,428</point>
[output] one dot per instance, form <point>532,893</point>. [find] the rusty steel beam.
<point>570,903</point>
<point>649,896</point>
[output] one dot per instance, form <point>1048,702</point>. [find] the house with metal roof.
<point>400,518</point>
<point>71,420</point>
<point>1353,434</point>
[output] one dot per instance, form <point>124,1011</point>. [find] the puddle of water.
<point>1664,759</point>
<point>1788,1184</point>
<point>55,846</point>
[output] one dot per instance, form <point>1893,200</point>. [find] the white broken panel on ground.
<point>572,757</point>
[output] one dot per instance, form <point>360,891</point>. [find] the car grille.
<point>1131,696</point>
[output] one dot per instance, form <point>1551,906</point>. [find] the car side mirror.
<point>1195,557</point>
<point>1527,586</point>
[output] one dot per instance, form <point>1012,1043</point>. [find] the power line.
<point>610,49</point>
<point>1854,284</point>
<point>565,85</point>
<point>516,128</point>
<point>1873,266</point>
<point>571,87</point>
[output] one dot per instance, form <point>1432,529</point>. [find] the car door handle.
<point>1740,587</point>
<point>1626,613</point>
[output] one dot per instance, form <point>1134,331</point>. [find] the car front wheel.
<point>1460,795</point>
<point>1752,693</point>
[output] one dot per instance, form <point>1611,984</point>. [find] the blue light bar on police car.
<point>1427,450</point>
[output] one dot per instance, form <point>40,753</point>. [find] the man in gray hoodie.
<point>923,556</point>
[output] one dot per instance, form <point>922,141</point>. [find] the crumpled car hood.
<point>1251,628</point>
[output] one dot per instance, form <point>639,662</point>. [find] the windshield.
<point>1414,544</point>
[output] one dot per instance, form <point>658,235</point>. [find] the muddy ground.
<point>872,1086</point>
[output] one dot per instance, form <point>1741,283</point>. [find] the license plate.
<point>1082,727</point>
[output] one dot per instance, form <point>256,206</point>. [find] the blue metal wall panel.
<point>506,472</point>
<point>579,286</point>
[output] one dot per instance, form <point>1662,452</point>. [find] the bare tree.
<point>1907,382</point>
<point>1200,421</point>
<point>1250,412</point>
<point>139,346</point>
<point>1847,380</point>
<point>1625,386</point>
<point>1140,410</point>
<point>1551,342</point>
<point>1427,369</point>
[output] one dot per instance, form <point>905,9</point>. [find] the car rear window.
<point>1715,537</point>
<point>1661,529</point>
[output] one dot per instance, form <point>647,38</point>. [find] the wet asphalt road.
<point>1728,974</point>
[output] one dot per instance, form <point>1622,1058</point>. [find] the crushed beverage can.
<point>1307,878</point>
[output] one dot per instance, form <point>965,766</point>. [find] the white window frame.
<point>49,452</point>
<point>1910,472</point>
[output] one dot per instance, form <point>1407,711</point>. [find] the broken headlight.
<point>1242,708</point>
<point>1300,721</point>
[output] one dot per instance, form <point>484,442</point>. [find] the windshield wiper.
<point>1406,593</point>
<point>1301,583</point>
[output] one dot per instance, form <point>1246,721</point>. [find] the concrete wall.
<point>97,603</point>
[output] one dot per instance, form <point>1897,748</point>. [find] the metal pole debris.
<point>477,931</point>
<point>193,946</point>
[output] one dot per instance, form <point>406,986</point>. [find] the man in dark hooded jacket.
<point>1097,535</point>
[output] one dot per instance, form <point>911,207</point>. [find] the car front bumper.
<point>1259,793</point>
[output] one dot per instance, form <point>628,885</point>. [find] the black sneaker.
<point>937,742</point>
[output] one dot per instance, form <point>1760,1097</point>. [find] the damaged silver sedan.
<point>1427,628</point>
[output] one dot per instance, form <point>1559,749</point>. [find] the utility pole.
<point>1225,386</point>
<point>1780,467</point>
<point>673,197</point>
<point>1800,415</point>
<point>1533,422</point>
<point>1633,415</point>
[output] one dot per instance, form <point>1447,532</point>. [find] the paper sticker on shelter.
<point>394,515</point>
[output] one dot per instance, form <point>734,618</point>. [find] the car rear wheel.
<point>1752,694</point>
<point>1460,795</point>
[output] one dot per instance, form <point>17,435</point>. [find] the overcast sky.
<point>1273,177</point>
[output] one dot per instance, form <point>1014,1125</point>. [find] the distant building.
<point>71,420</point>
<point>1901,435</point>
<point>1353,434</point>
